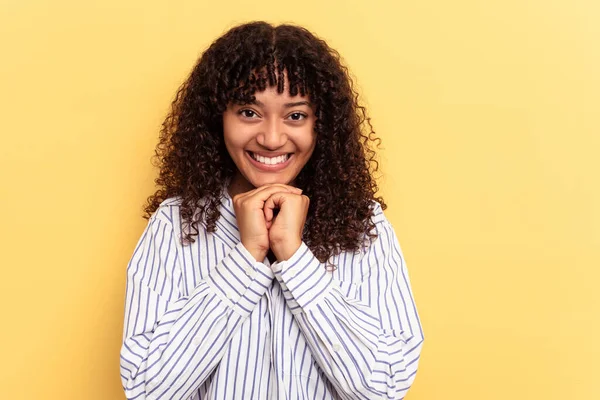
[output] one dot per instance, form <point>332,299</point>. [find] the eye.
<point>247,113</point>
<point>298,116</point>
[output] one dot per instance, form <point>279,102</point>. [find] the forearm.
<point>366,348</point>
<point>170,356</point>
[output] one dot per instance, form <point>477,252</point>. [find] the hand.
<point>251,220</point>
<point>285,230</point>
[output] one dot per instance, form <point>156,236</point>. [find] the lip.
<point>270,155</point>
<point>269,168</point>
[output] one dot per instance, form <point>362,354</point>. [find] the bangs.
<point>282,75</point>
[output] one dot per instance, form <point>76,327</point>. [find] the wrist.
<point>258,254</point>
<point>285,251</point>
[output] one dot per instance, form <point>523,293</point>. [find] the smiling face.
<point>269,140</point>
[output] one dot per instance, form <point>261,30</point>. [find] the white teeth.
<point>270,161</point>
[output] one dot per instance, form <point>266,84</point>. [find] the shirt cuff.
<point>303,278</point>
<point>239,280</point>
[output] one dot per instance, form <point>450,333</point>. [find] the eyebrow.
<point>286,105</point>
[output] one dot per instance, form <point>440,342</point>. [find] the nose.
<point>273,135</point>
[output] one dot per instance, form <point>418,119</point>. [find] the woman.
<point>267,269</point>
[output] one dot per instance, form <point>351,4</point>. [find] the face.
<point>269,140</point>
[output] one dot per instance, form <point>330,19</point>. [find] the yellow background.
<point>489,114</point>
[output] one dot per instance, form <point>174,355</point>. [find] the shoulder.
<point>168,210</point>
<point>383,225</point>
<point>378,216</point>
<point>379,220</point>
<point>382,230</point>
<point>171,202</point>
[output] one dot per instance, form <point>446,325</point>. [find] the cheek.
<point>233,138</point>
<point>233,148</point>
<point>309,143</point>
<point>305,139</point>
<point>232,131</point>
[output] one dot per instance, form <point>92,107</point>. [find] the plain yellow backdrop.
<point>489,115</point>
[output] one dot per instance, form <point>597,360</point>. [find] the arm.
<point>172,342</point>
<point>366,338</point>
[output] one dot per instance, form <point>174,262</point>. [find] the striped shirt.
<point>207,321</point>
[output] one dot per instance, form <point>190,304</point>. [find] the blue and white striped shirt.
<point>207,321</point>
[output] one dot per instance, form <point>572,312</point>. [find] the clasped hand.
<point>261,230</point>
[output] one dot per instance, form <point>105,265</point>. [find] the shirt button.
<point>293,271</point>
<point>197,340</point>
<point>337,347</point>
<point>248,271</point>
<point>229,295</point>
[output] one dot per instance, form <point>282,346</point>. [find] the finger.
<point>269,206</point>
<point>265,192</point>
<point>280,186</point>
<point>276,200</point>
<point>269,188</point>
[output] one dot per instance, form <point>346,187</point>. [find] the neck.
<point>238,184</point>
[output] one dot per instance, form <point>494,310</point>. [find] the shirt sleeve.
<point>172,342</point>
<point>366,337</point>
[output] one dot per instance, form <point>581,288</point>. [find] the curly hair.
<point>194,163</point>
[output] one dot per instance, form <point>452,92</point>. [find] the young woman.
<point>268,269</point>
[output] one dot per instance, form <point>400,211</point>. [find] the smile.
<point>270,164</point>
<point>270,161</point>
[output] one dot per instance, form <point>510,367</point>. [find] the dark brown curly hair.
<point>193,160</point>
